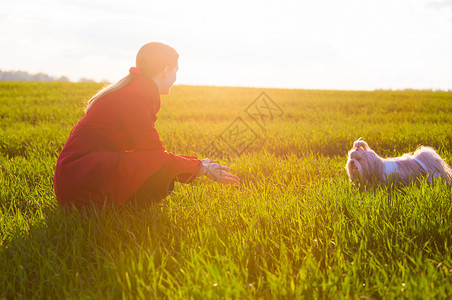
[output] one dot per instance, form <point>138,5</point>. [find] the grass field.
<point>294,227</point>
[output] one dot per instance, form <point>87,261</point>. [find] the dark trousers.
<point>154,189</point>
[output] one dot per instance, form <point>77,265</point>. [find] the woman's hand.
<point>217,172</point>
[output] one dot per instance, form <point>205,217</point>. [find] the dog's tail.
<point>434,163</point>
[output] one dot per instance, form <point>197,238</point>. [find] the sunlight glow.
<point>295,44</point>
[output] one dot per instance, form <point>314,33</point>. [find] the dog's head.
<point>363,164</point>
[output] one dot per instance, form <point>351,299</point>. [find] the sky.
<point>323,44</point>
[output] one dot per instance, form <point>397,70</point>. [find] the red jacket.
<point>115,147</point>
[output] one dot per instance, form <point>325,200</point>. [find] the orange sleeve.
<point>183,167</point>
<point>139,120</point>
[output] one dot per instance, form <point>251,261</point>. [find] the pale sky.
<point>323,44</point>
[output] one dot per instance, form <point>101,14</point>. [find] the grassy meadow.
<point>295,227</point>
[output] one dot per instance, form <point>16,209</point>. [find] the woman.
<point>114,154</point>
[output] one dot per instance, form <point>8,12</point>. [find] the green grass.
<point>294,227</point>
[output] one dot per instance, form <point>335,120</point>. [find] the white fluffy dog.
<point>364,166</point>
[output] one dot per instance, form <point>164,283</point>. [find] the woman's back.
<point>114,147</point>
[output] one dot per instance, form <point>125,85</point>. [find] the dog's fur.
<point>365,167</point>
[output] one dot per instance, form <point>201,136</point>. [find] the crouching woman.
<point>114,154</point>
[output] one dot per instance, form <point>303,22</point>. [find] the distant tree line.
<point>25,76</point>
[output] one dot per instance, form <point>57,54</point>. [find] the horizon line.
<point>57,78</point>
